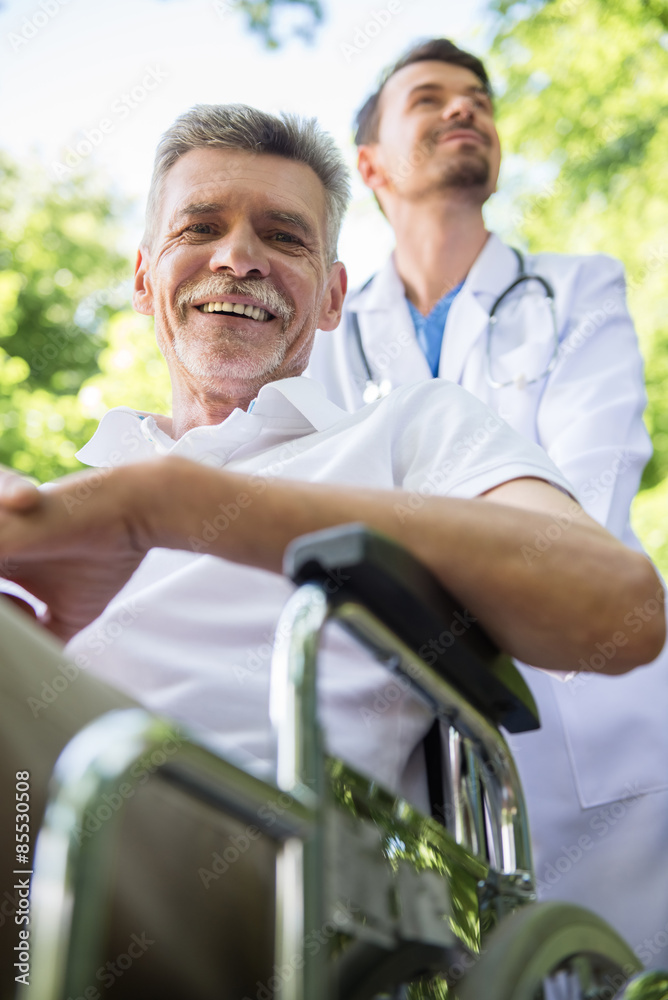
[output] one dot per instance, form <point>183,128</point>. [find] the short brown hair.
<point>367,120</point>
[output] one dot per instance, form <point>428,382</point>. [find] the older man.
<point>238,267</point>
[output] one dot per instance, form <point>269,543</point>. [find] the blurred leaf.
<point>275,20</point>
<point>56,249</point>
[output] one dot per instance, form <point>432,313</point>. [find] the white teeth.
<point>253,312</point>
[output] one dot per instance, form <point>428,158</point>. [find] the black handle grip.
<point>356,563</point>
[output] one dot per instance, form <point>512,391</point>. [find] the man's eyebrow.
<point>293,219</point>
<point>424,86</point>
<point>471,89</point>
<point>199,208</point>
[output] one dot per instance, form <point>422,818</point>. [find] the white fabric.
<point>190,635</point>
<point>602,740</point>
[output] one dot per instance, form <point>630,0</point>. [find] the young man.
<point>567,376</point>
<point>190,519</point>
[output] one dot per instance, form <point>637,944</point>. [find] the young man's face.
<point>436,134</point>
<point>236,274</point>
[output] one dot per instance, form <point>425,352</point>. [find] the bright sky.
<point>122,71</point>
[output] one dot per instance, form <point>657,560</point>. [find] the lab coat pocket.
<point>522,364</point>
<point>616,733</point>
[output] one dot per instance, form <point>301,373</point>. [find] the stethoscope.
<point>377,388</point>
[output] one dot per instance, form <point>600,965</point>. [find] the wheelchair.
<point>404,905</point>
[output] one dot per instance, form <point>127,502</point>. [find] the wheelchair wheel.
<point>550,951</point>
<point>646,986</point>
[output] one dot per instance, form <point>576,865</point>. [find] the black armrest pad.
<point>363,565</point>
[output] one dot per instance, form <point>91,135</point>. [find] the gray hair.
<point>238,126</point>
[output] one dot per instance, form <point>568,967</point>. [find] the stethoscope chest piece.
<point>377,389</point>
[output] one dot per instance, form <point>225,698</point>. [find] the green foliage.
<point>262,15</point>
<point>56,252</point>
<point>57,263</point>
<point>585,91</point>
<point>132,370</point>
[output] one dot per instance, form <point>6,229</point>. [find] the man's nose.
<point>240,252</point>
<point>461,106</point>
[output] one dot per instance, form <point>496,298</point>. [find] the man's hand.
<point>17,492</point>
<point>74,554</point>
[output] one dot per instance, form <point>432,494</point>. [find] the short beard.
<point>472,173</point>
<point>231,357</point>
<point>211,364</point>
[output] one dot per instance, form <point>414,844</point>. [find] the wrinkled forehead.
<point>241,180</point>
<point>447,77</point>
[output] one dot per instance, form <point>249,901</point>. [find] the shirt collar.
<point>125,434</point>
<point>300,396</point>
<point>493,269</point>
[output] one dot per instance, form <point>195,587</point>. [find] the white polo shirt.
<point>190,635</point>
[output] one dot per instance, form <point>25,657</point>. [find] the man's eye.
<point>200,228</point>
<point>426,99</point>
<point>286,238</point>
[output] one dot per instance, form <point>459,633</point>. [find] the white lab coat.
<point>596,774</point>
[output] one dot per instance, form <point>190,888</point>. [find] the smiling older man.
<point>164,572</point>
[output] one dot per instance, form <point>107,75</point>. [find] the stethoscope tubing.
<point>376,388</point>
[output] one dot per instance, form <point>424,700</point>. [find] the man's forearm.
<point>550,611</point>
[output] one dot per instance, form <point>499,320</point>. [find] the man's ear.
<point>142,296</point>
<point>332,300</point>
<point>370,167</point>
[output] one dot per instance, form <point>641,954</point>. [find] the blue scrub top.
<point>429,329</point>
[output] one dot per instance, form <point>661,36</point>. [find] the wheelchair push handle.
<point>355,563</point>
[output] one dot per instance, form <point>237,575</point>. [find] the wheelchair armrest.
<point>357,564</point>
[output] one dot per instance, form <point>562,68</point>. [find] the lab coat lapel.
<point>494,269</point>
<point>387,329</point>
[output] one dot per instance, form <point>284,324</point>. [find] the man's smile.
<point>248,310</point>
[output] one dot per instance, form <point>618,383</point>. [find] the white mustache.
<point>259,289</point>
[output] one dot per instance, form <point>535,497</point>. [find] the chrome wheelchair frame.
<point>425,907</point>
